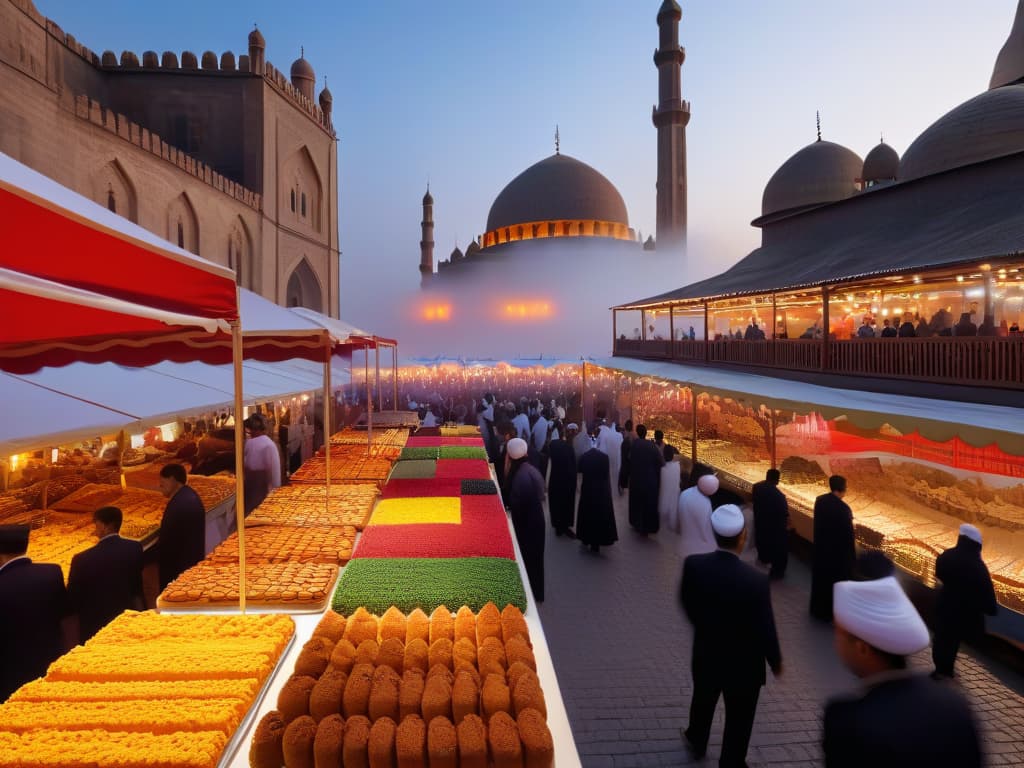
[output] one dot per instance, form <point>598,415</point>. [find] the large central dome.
<point>557,188</point>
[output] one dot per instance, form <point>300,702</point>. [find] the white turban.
<point>727,520</point>
<point>572,426</point>
<point>971,532</point>
<point>516,448</point>
<point>880,613</point>
<point>707,484</point>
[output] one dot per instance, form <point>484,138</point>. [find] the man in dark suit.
<point>32,603</point>
<point>562,482</point>
<point>901,718</point>
<point>106,579</point>
<point>183,527</point>
<point>966,597</point>
<point>771,524</point>
<point>730,606</point>
<point>834,549</point>
<point>645,463</point>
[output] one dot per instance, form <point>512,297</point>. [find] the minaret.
<point>427,243</point>
<point>670,117</point>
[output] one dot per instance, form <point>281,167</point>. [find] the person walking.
<point>671,480</point>
<point>625,453</point>
<point>900,718</point>
<point>834,549</point>
<point>106,579</point>
<point>645,463</point>
<point>771,524</point>
<point>966,597</point>
<point>526,506</point>
<point>729,604</point>
<point>562,482</point>
<point>693,518</point>
<point>595,517</point>
<point>182,536</point>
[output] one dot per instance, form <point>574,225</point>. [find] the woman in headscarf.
<point>524,494</point>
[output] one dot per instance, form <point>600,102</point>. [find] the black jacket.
<point>906,722</point>
<point>967,593</point>
<point>834,551</point>
<point>104,581</point>
<point>771,517</point>
<point>182,535</point>
<point>32,603</point>
<point>730,606</point>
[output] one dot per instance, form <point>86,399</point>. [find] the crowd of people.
<point>899,718</point>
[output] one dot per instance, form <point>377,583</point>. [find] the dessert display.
<point>427,583</point>
<point>478,536</point>
<point>173,689</point>
<point>395,419</point>
<point>374,714</point>
<point>414,469</point>
<point>289,544</point>
<point>402,511</point>
<point>291,586</point>
<point>469,469</point>
<point>348,469</point>
<point>409,488</point>
<point>350,504</point>
<point>395,437</point>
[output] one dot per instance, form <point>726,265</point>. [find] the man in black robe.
<point>834,549</point>
<point>645,463</point>
<point>966,596</point>
<point>506,431</point>
<point>105,579</point>
<point>182,537</point>
<point>900,718</point>
<point>730,606</point>
<point>33,603</point>
<point>595,517</point>
<point>771,524</point>
<point>526,507</point>
<point>562,482</point>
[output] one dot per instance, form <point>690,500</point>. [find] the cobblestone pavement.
<point>621,649</point>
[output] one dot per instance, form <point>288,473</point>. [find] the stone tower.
<point>427,243</point>
<point>670,117</point>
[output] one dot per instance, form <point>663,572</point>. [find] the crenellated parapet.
<point>117,124</point>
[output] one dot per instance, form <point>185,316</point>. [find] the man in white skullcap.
<point>965,597</point>
<point>524,495</point>
<point>730,606</point>
<point>901,718</point>
<point>692,520</point>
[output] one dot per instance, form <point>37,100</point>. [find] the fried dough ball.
<point>293,700</point>
<point>488,623</point>
<point>314,657</point>
<point>538,746</point>
<point>410,694</point>
<point>490,657</point>
<point>343,656</point>
<point>417,655</point>
<point>411,743</point>
<point>518,649</point>
<point>357,735</point>
<point>266,748</point>
<point>381,744</point>
<point>384,695</point>
<point>503,739</point>
<point>361,625</point>
<point>392,624</point>
<point>392,654</point>
<point>325,698</point>
<point>464,654</point>
<point>465,624</point>
<point>441,624</point>
<point>329,742</point>
<point>297,744</point>
<point>331,626</point>
<point>472,735</point>
<point>356,699</point>
<point>513,623</point>
<point>367,651</point>
<point>527,694</point>
<point>465,696</point>
<point>495,697</point>
<point>437,697</point>
<point>440,653</point>
<point>417,626</point>
<point>442,744</point>
<point>516,670</point>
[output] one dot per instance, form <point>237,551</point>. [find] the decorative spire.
<point>557,140</point>
<point>817,116</point>
<point>302,51</point>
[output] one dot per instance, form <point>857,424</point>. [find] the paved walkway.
<point>621,648</point>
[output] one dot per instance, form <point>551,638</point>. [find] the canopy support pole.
<point>236,363</point>
<point>376,362</point>
<point>824,328</point>
<point>327,426</point>
<point>369,399</point>
<point>583,392</point>
<point>615,330</point>
<point>707,337</point>
<point>693,442</point>
<point>394,375</point>
<point>671,330</point>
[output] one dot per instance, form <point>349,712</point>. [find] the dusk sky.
<point>467,95</point>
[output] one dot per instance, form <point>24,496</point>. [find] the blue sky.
<point>468,94</point>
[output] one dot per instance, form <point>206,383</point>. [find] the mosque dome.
<point>881,164</point>
<point>326,98</point>
<point>428,199</point>
<point>557,188</point>
<point>988,126</point>
<point>822,172</point>
<point>302,70</point>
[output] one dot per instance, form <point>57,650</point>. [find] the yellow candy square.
<point>433,509</point>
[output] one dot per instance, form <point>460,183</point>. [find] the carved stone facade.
<point>235,165</point>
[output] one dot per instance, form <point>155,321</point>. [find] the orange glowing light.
<point>533,309</point>
<point>436,312</point>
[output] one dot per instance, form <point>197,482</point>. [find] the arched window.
<point>181,234</point>
<point>303,205</point>
<point>293,201</point>
<point>111,202</point>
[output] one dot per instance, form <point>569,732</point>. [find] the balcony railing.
<point>971,360</point>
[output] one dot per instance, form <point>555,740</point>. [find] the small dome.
<point>456,254</point>
<point>256,39</point>
<point>428,199</point>
<point>558,187</point>
<point>822,172</point>
<point>326,97</point>
<point>881,164</point>
<point>988,126</point>
<point>302,70</point>
<point>670,7</point>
